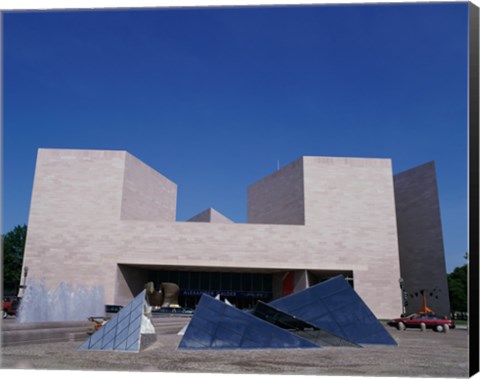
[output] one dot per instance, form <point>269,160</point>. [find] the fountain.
<point>66,303</point>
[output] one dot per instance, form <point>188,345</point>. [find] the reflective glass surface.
<point>122,332</point>
<point>298,326</point>
<point>335,307</point>
<point>216,325</point>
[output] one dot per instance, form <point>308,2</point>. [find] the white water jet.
<point>66,303</point>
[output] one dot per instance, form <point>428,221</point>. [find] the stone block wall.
<point>147,195</point>
<point>420,238</point>
<point>350,203</point>
<point>82,232</point>
<point>210,215</point>
<point>278,198</point>
<point>73,184</point>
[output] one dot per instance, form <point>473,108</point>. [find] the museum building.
<point>104,218</point>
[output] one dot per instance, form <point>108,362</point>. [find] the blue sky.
<point>213,98</point>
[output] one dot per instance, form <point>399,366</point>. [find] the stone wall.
<point>422,257</point>
<point>349,202</point>
<point>79,233</point>
<point>147,195</point>
<point>278,198</point>
<point>211,215</point>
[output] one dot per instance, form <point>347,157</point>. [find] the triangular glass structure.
<point>122,332</point>
<point>334,306</point>
<point>297,326</point>
<point>216,325</point>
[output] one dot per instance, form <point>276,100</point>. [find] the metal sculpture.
<point>167,296</point>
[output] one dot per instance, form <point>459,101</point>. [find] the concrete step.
<point>79,336</point>
<point>169,323</point>
<point>33,341</point>
<point>28,336</point>
<point>173,329</point>
<point>45,325</point>
<point>165,324</point>
<point>33,333</point>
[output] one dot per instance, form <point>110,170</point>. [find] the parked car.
<point>173,310</point>
<point>113,308</point>
<point>423,321</point>
<point>10,305</point>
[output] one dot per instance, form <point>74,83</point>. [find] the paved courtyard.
<point>426,354</point>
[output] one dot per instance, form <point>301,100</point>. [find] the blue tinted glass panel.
<point>120,338</point>
<point>122,332</point>
<point>201,330</point>
<point>203,338</point>
<point>134,348</point>
<point>123,325</point>
<point>338,300</point>
<point>192,344</point>
<point>292,302</point>
<point>235,330</point>
<point>340,312</point>
<point>111,324</point>
<point>331,286</point>
<point>248,344</point>
<point>225,338</point>
<point>355,333</point>
<point>137,302</point>
<point>124,312</point>
<point>85,345</point>
<point>96,337</point>
<point>108,345</point>
<point>328,323</point>
<point>230,312</point>
<point>107,340</point>
<point>120,345</point>
<point>209,313</point>
<point>343,317</point>
<point>281,344</point>
<point>233,325</point>
<point>205,325</point>
<point>312,310</point>
<point>258,334</point>
<point>136,322</point>
<point>133,340</point>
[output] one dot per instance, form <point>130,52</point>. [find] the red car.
<point>10,305</point>
<point>423,321</point>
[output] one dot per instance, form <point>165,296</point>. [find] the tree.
<point>457,288</point>
<point>13,249</point>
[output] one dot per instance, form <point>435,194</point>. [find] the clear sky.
<point>213,98</point>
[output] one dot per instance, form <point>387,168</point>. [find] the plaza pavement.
<point>425,354</point>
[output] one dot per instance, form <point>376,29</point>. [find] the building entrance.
<point>242,289</point>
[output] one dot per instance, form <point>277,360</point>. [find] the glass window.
<point>246,282</point>
<point>173,277</point>
<point>194,280</point>
<point>257,282</point>
<point>205,280</point>
<point>226,281</point>
<point>183,277</point>
<point>267,282</point>
<point>162,276</point>
<point>236,282</point>
<point>215,281</point>
<point>152,277</point>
